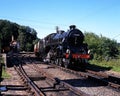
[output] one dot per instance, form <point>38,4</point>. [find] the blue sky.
<point>98,16</point>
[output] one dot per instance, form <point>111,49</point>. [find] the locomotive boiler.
<point>64,48</point>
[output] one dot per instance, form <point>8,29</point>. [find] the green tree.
<point>29,47</point>
<point>24,34</point>
<point>101,47</point>
<point>26,38</point>
<point>110,48</point>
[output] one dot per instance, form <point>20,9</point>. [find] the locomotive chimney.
<point>72,27</point>
<point>57,29</point>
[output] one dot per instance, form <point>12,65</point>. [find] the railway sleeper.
<point>50,89</point>
<point>37,78</point>
<point>105,82</point>
<point>16,87</point>
<point>98,79</point>
<point>114,79</point>
<point>114,85</point>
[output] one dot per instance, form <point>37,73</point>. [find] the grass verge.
<point>113,63</point>
<point>4,73</point>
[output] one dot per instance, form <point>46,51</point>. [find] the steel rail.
<point>31,84</point>
<point>105,78</point>
<point>60,82</point>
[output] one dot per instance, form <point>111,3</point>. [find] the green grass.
<point>4,73</point>
<point>113,63</point>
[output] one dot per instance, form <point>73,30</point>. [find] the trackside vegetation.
<point>106,52</point>
<point>4,73</point>
<point>114,64</point>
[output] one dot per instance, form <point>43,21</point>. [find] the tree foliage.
<point>26,37</point>
<point>101,47</point>
<point>23,34</point>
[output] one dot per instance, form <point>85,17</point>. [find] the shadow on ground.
<point>87,82</point>
<point>98,68</point>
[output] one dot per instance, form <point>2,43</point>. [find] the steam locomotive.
<point>64,48</point>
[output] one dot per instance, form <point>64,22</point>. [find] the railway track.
<point>55,84</point>
<point>14,84</point>
<point>109,80</point>
<point>92,80</point>
<point>43,84</point>
<point>31,86</point>
<point>52,79</point>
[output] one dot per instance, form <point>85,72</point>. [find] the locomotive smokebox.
<point>72,27</point>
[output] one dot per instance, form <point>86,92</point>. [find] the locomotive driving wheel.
<point>67,63</point>
<point>60,62</point>
<point>57,61</point>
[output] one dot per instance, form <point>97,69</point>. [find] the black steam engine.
<point>64,48</point>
